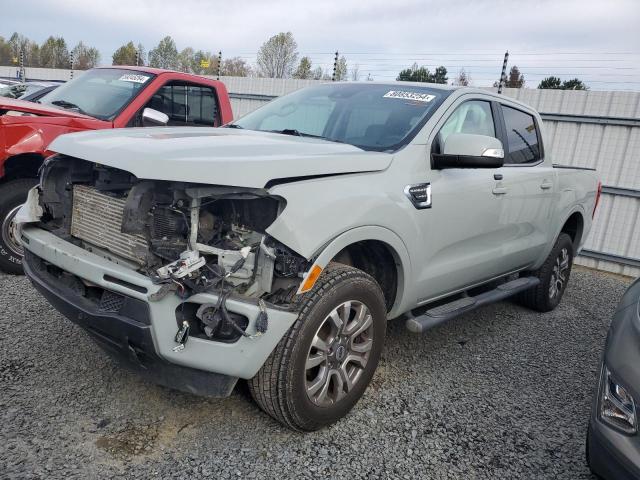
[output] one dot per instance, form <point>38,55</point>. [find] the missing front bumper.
<point>240,359</point>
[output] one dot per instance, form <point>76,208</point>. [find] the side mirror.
<point>154,118</point>
<point>465,150</point>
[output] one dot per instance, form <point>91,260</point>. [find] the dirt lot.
<point>499,393</point>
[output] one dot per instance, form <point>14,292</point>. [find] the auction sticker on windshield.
<point>418,97</point>
<point>132,77</point>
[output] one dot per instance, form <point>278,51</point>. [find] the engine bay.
<point>188,238</point>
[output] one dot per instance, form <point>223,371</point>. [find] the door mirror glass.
<point>154,118</point>
<point>467,150</point>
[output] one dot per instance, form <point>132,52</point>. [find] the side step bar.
<point>438,315</point>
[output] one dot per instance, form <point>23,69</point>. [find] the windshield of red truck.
<point>100,93</point>
<point>369,116</point>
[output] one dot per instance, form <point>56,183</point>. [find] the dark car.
<point>29,91</point>
<point>613,442</point>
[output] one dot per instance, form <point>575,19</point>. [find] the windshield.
<point>101,93</point>
<point>369,116</point>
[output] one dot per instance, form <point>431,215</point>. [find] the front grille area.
<point>97,219</point>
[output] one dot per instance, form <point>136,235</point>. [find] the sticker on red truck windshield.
<point>415,96</point>
<point>133,77</point>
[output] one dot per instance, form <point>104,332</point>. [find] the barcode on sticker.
<point>132,77</point>
<point>418,97</point>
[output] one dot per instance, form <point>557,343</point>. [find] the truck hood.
<point>221,156</point>
<point>10,104</point>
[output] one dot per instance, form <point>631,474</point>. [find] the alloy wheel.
<point>559,274</point>
<point>339,353</point>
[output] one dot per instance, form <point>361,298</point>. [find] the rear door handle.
<point>546,185</point>
<point>499,190</point>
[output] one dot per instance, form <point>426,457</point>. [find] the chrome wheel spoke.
<point>361,347</point>
<point>346,313</point>
<point>320,344</point>
<point>317,383</point>
<point>339,385</point>
<point>336,319</point>
<point>344,376</point>
<point>365,323</point>
<point>315,360</point>
<point>357,358</point>
<point>323,395</point>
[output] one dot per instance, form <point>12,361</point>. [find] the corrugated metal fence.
<point>585,129</point>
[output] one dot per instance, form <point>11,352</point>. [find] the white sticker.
<point>418,97</point>
<point>132,77</point>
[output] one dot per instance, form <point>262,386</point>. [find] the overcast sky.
<point>598,41</point>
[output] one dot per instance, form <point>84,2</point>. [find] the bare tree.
<point>277,56</point>
<point>186,60</point>
<point>235,67</point>
<point>142,54</point>
<point>84,57</point>
<point>54,53</point>
<point>341,69</point>
<point>355,73</point>
<point>463,79</point>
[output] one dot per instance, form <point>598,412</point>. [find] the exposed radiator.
<point>97,219</point>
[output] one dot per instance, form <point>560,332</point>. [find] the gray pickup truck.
<point>274,250</point>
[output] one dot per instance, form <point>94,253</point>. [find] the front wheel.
<point>554,277</point>
<point>12,195</point>
<point>324,363</point>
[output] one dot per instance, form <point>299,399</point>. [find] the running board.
<point>445,312</point>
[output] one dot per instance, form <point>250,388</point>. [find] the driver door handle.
<point>546,185</point>
<point>498,190</point>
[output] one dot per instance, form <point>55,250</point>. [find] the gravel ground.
<point>499,393</point>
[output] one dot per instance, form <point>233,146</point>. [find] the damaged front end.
<point>187,238</point>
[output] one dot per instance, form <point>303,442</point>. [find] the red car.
<point>111,97</point>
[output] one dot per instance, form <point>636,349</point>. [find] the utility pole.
<point>335,67</point>
<point>71,61</point>
<point>219,64</point>
<point>22,72</point>
<point>137,57</point>
<point>503,75</point>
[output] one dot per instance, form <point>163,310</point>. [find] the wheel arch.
<point>363,248</point>
<point>23,165</point>
<point>574,227</point>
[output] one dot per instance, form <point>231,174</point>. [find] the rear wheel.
<point>12,195</point>
<point>324,363</point>
<point>554,277</point>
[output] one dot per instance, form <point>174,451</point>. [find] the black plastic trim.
<point>126,340</point>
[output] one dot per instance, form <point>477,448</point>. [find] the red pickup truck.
<point>101,98</point>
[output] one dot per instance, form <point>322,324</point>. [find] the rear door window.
<point>523,145</point>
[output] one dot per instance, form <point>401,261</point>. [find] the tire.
<point>293,391</point>
<point>12,195</point>
<point>548,294</point>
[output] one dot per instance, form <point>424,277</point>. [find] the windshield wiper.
<point>67,105</point>
<point>233,125</point>
<point>298,133</point>
<point>294,132</point>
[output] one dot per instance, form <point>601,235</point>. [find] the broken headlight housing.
<point>617,406</point>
